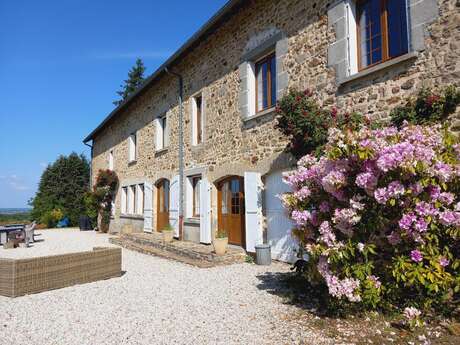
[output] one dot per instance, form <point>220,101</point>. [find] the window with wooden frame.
<point>265,69</point>
<point>382,31</point>
<point>196,184</point>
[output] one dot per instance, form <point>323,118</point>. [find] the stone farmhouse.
<point>195,147</point>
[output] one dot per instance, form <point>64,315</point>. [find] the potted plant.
<point>168,233</point>
<point>220,243</point>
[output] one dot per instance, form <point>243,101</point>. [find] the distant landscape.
<point>14,215</point>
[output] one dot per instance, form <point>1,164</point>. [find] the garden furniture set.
<point>11,236</point>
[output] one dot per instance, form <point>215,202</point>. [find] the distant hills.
<point>14,210</point>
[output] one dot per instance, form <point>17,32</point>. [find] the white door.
<point>148,207</point>
<point>174,205</point>
<point>253,204</point>
<point>205,211</point>
<point>279,225</point>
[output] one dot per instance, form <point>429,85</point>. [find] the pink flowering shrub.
<point>379,215</point>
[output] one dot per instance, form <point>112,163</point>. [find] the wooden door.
<point>231,209</point>
<point>162,204</point>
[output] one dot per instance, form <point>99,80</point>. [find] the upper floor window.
<point>111,160</point>
<point>265,73</point>
<point>132,150</point>
<point>197,120</point>
<point>381,31</point>
<point>161,141</point>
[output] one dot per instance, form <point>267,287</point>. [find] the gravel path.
<point>155,302</point>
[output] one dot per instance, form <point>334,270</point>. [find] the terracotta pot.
<point>220,245</point>
<point>168,235</point>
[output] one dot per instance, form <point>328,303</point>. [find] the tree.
<point>62,187</point>
<point>134,81</point>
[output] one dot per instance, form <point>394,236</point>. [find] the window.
<point>161,141</point>
<point>111,160</point>
<point>132,147</point>
<point>131,199</point>
<point>140,200</point>
<point>265,83</point>
<point>124,200</point>
<point>197,120</point>
<point>196,184</point>
<point>381,30</point>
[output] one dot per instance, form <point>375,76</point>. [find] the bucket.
<point>263,254</point>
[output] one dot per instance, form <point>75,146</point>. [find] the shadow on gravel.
<point>293,288</point>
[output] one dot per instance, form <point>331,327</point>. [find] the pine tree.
<point>134,81</point>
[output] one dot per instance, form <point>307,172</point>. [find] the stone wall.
<point>233,145</point>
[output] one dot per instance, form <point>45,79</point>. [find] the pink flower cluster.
<point>393,191</point>
<point>372,188</point>
<point>301,217</point>
<point>411,313</point>
<point>344,220</point>
<point>339,287</point>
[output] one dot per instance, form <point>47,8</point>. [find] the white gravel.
<point>156,301</point>
<point>58,241</point>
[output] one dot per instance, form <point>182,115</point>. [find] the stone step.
<point>175,252</point>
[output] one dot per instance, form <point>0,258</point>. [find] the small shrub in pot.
<point>220,243</point>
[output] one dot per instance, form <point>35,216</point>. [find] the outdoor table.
<point>5,230</point>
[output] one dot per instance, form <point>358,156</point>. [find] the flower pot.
<point>220,245</point>
<point>168,235</point>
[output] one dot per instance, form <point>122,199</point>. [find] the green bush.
<point>51,218</point>
<point>427,107</point>
<point>91,206</point>
<point>306,124</point>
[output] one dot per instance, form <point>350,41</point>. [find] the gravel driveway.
<point>155,302</point>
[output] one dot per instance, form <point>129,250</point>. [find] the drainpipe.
<point>181,152</point>
<point>90,167</point>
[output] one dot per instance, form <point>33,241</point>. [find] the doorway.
<point>231,209</point>
<point>162,204</point>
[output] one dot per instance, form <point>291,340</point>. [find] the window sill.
<point>161,151</point>
<point>194,220</point>
<point>261,114</point>
<point>379,67</point>
<point>132,216</point>
<point>198,147</point>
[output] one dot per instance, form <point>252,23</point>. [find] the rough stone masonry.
<point>311,32</point>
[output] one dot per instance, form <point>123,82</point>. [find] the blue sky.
<point>61,63</point>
